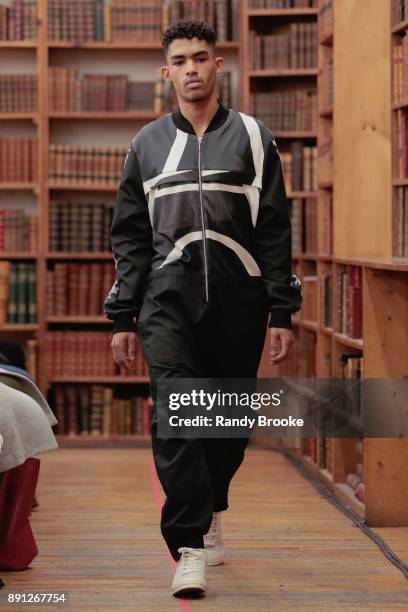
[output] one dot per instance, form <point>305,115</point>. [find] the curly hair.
<point>188,28</point>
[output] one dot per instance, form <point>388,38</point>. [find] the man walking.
<point>201,239</point>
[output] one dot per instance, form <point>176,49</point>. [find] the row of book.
<point>116,20</point>
<point>402,223</point>
<point>281,4</point>
<point>355,479</point>
<point>86,353</point>
<point>326,216</point>
<point>325,153</point>
<point>400,138</point>
<point>309,293</point>
<point>18,20</point>
<point>98,92</point>
<point>217,13</point>
<point>348,298</point>
<point>80,226</point>
<point>70,163</point>
<point>95,410</point>
<point>325,19</point>
<point>348,301</point>
<point>18,230</point>
<point>78,288</point>
<point>68,92</point>
<point>304,225</point>
<point>303,363</point>
<point>399,11</point>
<point>18,93</point>
<point>300,167</point>
<point>17,292</point>
<point>352,365</point>
<point>349,308</point>
<point>400,71</point>
<point>326,84</point>
<point>18,160</point>
<point>294,110</point>
<point>140,21</point>
<point>295,48</point>
<point>326,300</point>
<point>321,451</point>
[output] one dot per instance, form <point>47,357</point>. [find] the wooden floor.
<point>288,548</point>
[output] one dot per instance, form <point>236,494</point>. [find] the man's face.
<point>192,68</point>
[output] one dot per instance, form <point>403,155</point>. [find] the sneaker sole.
<point>216,560</point>
<point>190,590</point>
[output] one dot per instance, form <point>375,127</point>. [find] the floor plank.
<point>288,548</point>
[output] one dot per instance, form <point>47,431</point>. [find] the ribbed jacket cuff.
<point>281,318</point>
<point>124,322</point>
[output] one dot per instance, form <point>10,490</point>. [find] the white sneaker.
<point>189,578</point>
<point>213,541</point>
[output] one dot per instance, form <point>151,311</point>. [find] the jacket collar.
<point>183,124</point>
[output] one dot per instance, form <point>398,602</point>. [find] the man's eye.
<point>177,63</point>
<point>202,59</point>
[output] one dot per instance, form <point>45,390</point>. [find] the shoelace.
<point>190,560</point>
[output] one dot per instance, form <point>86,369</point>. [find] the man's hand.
<point>124,349</point>
<point>281,344</point>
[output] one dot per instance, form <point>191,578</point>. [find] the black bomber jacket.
<point>215,203</point>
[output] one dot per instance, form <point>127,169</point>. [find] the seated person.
<point>25,416</point>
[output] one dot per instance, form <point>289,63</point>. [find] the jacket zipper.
<point>202,218</point>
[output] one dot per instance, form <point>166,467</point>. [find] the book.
<point>78,288</point>
<point>294,48</point>
<point>294,110</point>
<point>98,410</point>
<point>131,21</point>
<point>86,353</point>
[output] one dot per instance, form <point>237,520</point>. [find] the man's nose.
<point>191,67</point>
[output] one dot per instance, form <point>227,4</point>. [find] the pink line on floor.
<point>184,604</point>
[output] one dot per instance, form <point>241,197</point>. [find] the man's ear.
<point>220,64</point>
<point>165,73</point>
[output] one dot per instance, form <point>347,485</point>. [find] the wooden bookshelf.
<point>18,186</point>
<point>91,441</point>
<point>73,186</point>
<point>271,78</point>
<point>108,380</point>
<point>80,255</point>
<point>18,44</point>
<point>47,122</point>
<point>109,46</point>
<point>89,115</point>
<point>363,224</point>
<point>79,319</point>
<point>288,72</point>
<point>15,255</point>
<point>18,116</point>
<point>14,327</point>
<point>288,13</point>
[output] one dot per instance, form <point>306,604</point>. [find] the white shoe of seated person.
<point>214,542</point>
<point>189,579</point>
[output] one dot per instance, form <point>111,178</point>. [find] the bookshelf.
<point>139,60</point>
<point>358,237</point>
<point>280,71</point>
<point>19,120</point>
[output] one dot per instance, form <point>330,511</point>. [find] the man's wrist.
<point>125,322</point>
<point>281,318</point>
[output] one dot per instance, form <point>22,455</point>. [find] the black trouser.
<point>184,336</point>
